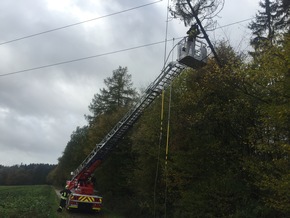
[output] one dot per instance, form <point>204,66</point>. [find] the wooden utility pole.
<point>205,34</point>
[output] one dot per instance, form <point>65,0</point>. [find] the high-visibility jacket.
<point>65,193</point>
<point>193,32</point>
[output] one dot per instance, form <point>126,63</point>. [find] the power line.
<point>230,24</point>
<point>82,59</point>
<point>104,54</point>
<point>241,21</point>
<point>75,24</point>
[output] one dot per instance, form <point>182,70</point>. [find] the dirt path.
<point>57,192</point>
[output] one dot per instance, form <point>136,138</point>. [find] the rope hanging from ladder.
<point>159,147</point>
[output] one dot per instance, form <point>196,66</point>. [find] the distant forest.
<point>32,174</point>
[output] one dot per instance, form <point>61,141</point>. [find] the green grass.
<point>39,201</point>
<point>28,201</point>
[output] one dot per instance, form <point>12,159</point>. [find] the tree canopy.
<point>118,93</point>
<point>272,20</point>
<point>204,9</point>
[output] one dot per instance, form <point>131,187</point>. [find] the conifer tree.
<point>119,92</point>
<point>205,9</point>
<point>272,19</point>
<point>263,27</point>
<point>284,13</point>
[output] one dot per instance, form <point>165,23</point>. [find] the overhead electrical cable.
<point>234,23</point>
<point>104,54</point>
<point>75,24</point>
<point>167,133</point>
<point>166,32</point>
<point>158,152</point>
<point>230,24</point>
<point>82,59</point>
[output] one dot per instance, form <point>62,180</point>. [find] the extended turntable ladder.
<point>171,71</point>
<point>194,58</point>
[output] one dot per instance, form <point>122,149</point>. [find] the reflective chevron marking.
<point>86,199</point>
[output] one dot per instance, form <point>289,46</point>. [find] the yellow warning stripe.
<point>86,199</point>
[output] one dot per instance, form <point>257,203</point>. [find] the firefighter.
<point>64,195</point>
<point>193,32</point>
<point>203,53</point>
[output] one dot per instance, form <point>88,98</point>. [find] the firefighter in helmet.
<point>64,195</point>
<point>193,32</point>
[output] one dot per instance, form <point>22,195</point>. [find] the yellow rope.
<point>159,146</point>
<point>166,152</point>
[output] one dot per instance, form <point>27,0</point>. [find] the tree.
<point>119,92</point>
<point>205,161</point>
<point>188,11</point>
<point>272,20</point>
<point>204,9</point>
<point>284,13</point>
<point>268,164</point>
<point>108,107</point>
<point>264,25</point>
<point>204,178</point>
<point>73,155</point>
<point>145,139</point>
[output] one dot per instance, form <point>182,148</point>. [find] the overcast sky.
<point>39,109</point>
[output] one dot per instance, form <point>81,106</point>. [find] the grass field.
<point>28,201</point>
<point>39,201</point>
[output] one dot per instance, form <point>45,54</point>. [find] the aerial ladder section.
<point>82,190</point>
<point>171,71</point>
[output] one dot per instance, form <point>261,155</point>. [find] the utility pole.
<point>205,34</point>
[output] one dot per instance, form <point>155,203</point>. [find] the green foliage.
<point>72,156</point>
<point>269,23</point>
<point>204,9</point>
<point>28,201</point>
<point>268,165</point>
<point>147,153</point>
<point>119,93</point>
<point>216,114</point>
<point>264,25</point>
<point>113,179</point>
<point>207,127</point>
<point>114,182</point>
<point>101,125</point>
<point>284,11</point>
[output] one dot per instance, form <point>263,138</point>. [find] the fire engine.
<point>81,185</point>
